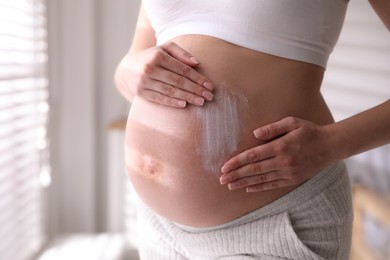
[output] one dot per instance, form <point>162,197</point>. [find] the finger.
<point>173,92</point>
<point>254,180</point>
<point>269,185</point>
<point>252,155</point>
<point>186,71</point>
<point>161,99</point>
<point>179,53</point>
<point>277,129</point>
<point>171,56</point>
<point>161,59</point>
<point>183,83</point>
<point>247,170</point>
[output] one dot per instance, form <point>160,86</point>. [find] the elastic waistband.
<point>297,197</point>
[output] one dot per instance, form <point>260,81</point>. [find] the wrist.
<point>361,132</point>
<point>338,143</point>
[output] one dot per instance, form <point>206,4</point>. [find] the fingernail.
<point>224,169</point>
<point>199,101</point>
<point>208,85</point>
<point>258,133</point>
<point>181,103</point>
<point>233,186</point>
<point>194,60</point>
<point>225,179</point>
<point>207,95</point>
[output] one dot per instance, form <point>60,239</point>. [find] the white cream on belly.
<point>221,125</point>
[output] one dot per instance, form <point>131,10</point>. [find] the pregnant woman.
<point>229,144</point>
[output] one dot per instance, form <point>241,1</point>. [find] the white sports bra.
<point>304,30</point>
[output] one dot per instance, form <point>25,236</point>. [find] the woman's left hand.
<point>295,151</point>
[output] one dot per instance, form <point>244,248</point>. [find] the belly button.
<point>150,166</point>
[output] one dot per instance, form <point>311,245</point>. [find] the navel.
<point>149,166</point>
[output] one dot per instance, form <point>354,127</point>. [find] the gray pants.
<point>312,222</point>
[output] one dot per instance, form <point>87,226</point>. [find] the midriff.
<point>174,155</point>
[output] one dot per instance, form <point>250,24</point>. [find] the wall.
<point>87,38</point>
<point>116,22</point>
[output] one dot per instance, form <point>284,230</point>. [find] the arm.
<point>362,132</point>
<point>369,129</point>
<point>298,149</point>
<point>162,74</point>
<point>382,8</point>
<point>143,39</point>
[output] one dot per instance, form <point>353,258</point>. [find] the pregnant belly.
<point>174,156</point>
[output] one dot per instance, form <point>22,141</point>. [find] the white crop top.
<point>304,30</point>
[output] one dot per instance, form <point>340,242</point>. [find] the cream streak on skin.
<point>221,125</point>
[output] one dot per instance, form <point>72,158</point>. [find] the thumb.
<point>276,129</point>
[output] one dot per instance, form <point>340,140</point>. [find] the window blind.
<point>357,79</point>
<point>24,110</point>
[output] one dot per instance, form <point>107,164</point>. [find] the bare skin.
<point>287,133</point>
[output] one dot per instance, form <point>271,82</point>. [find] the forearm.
<point>121,84</point>
<point>298,150</point>
<point>138,44</point>
<point>361,132</point>
<point>369,129</point>
<point>143,39</point>
<point>382,8</point>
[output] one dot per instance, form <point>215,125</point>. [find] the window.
<point>24,169</point>
<point>358,77</point>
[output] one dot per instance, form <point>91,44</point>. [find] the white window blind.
<point>24,109</point>
<point>357,79</point>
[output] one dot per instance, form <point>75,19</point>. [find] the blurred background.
<point>64,193</point>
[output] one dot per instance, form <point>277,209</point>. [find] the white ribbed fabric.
<point>312,222</point>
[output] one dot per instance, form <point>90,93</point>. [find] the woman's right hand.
<point>165,75</point>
